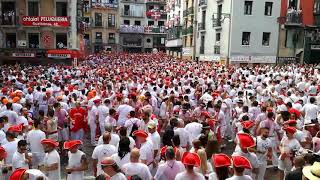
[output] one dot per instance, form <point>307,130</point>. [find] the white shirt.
<point>103,112</point>
<point>311,112</point>
<point>129,124</point>
<point>19,161</point>
<point>11,148</point>
<point>183,136</point>
<point>22,120</point>
<point>169,170</point>
<point>155,139</point>
<point>186,176</point>
<point>120,162</point>
<point>34,138</point>
<point>118,176</point>
<point>146,152</point>
<point>34,174</point>
<point>52,158</point>
<point>12,116</point>
<point>139,169</point>
<point>263,146</point>
<point>75,162</point>
<point>244,177</point>
<point>123,111</point>
<point>194,130</point>
<point>102,151</point>
<point>114,140</point>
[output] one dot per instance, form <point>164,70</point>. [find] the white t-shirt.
<point>103,112</point>
<point>311,112</point>
<point>11,148</point>
<point>186,176</point>
<point>146,151</point>
<point>118,176</point>
<point>194,130</point>
<point>18,161</point>
<point>35,174</point>
<point>114,140</point>
<point>123,161</point>
<point>102,151</point>
<point>263,146</point>
<point>52,158</point>
<point>129,124</point>
<point>12,116</point>
<point>155,139</point>
<point>123,111</point>
<point>244,177</point>
<point>34,138</point>
<point>169,170</point>
<point>139,169</point>
<point>22,120</point>
<point>183,136</point>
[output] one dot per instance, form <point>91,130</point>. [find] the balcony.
<point>293,18</point>
<point>203,3</point>
<point>157,1</point>
<point>185,13</point>
<point>131,29</point>
<point>173,33</point>
<point>190,30</point>
<point>98,41</point>
<point>156,14</point>
<point>201,26</point>
<point>9,20</point>
<point>155,30</point>
<point>111,41</point>
<point>30,52</point>
<point>133,1</point>
<point>103,5</point>
<point>190,10</point>
<point>132,44</point>
<point>184,31</point>
<point>131,13</point>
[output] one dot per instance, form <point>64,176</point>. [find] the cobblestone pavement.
<point>88,149</point>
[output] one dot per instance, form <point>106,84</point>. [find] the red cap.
<point>17,174</point>
<point>15,128</point>
<point>97,100</point>
<point>290,129</point>
<point>164,149</point>
<point>247,124</point>
<point>50,142</point>
<point>205,114</point>
<point>192,159</point>
<point>246,140</point>
<point>3,152</point>
<point>241,162</point>
<point>221,160</point>
<point>140,133</point>
<point>71,144</point>
<point>291,122</point>
<point>294,111</point>
<point>119,95</point>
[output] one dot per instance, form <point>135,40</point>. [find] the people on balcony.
<point>8,18</point>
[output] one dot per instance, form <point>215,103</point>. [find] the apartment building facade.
<point>142,25</point>
<point>28,28</point>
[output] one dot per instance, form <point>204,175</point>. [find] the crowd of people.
<point>152,116</point>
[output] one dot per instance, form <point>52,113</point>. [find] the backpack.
<point>134,128</point>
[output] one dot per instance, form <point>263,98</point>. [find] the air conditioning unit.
<point>22,43</point>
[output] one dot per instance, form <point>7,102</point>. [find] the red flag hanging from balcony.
<point>156,15</point>
<point>47,39</point>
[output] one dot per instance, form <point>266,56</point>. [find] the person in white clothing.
<point>77,162</point>
<point>114,137</point>
<point>11,147</point>
<point>240,163</point>
<point>123,155</point>
<point>102,151</point>
<point>134,167</point>
<point>310,111</point>
<point>20,158</point>
<point>28,174</point>
<point>34,139</point>
<point>170,168</point>
<point>111,170</point>
<point>146,149</point>
<point>154,137</point>
<point>103,112</point>
<point>51,164</point>
<point>123,111</point>
<point>264,150</point>
<point>190,160</point>
<point>93,117</point>
<point>221,163</point>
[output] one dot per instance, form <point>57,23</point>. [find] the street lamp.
<point>217,20</point>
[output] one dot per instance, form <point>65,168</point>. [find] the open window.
<point>33,39</point>
<point>8,16</point>
<point>61,41</point>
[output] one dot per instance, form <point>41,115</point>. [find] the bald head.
<point>135,155</point>
<point>106,137</point>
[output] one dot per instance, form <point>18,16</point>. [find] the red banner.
<point>56,21</point>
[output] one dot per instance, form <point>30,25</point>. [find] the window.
<point>218,22</point>
<point>98,35</point>
<point>8,15</point>
<point>203,19</point>
<point>86,6</point>
<point>62,9</point>
<point>111,20</point>
<point>33,39</point>
<point>126,10</point>
<point>33,8</point>
<point>268,8</point>
<point>151,7</point>
<point>86,39</point>
<point>191,41</point>
<point>160,23</point>
<point>112,36</point>
<point>202,45</point>
<point>61,40</point>
<point>11,40</point>
<point>97,19</point>
<point>248,7</point>
<point>246,38</point>
<point>218,36</point>
<point>150,23</point>
<point>126,22</point>
<point>161,8</point>
<point>216,49</point>
<point>265,38</point>
<point>137,23</point>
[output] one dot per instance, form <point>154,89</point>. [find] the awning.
<point>63,54</point>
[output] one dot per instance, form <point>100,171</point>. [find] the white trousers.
<point>93,128</point>
<point>262,170</point>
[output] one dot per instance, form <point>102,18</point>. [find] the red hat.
<point>71,144</point>
<point>205,114</point>
<point>164,149</point>
<point>192,159</point>
<point>221,160</point>
<point>3,152</point>
<point>119,95</point>
<point>290,129</point>
<point>211,122</point>
<point>17,174</point>
<point>291,122</point>
<point>140,133</point>
<point>246,140</point>
<point>241,162</point>
<point>50,142</point>
<point>15,128</point>
<point>294,111</point>
<point>247,124</point>
<point>97,100</point>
